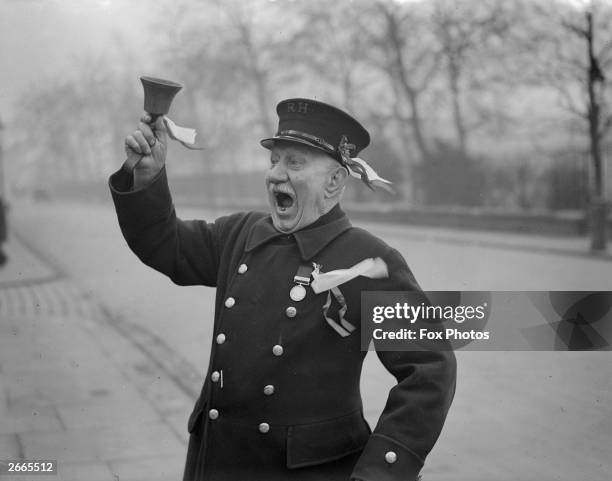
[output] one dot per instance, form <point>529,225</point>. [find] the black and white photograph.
<point>305,240</point>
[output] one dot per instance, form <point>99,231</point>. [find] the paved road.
<point>516,415</point>
<point>73,388</point>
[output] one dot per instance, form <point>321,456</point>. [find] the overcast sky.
<point>42,39</point>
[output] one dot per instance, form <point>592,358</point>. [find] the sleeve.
<point>417,405</point>
<point>186,251</point>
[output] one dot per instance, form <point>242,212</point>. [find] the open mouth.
<point>283,200</point>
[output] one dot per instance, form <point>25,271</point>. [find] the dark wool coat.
<point>281,398</point>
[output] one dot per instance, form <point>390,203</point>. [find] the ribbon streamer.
<point>374,268</point>
<point>345,328</point>
<point>184,135</point>
<point>360,169</point>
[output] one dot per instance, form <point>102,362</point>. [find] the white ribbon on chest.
<point>374,268</point>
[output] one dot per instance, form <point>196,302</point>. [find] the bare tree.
<point>580,51</point>
<point>405,52</point>
<point>331,43</point>
<point>468,33</point>
<point>598,123</point>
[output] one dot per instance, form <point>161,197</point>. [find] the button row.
<point>277,349</point>
<point>268,390</point>
<point>230,301</point>
<point>213,414</point>
<point>290,312</point>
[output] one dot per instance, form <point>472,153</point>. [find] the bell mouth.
<point>158,94</point>
<point>161,81</point>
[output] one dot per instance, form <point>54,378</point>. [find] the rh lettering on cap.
<point>302,107</point>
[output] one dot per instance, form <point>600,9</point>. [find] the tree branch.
<point>605,125</point>
<point>581,32</point>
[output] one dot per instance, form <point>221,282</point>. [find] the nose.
<point>277,173</point>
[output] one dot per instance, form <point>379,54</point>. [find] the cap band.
<point>304,135</point>
<point>357,167</point>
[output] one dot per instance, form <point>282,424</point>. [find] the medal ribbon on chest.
<point>302,280</point>
<point>344,328</point>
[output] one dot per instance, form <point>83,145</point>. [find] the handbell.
<point>158,94</point>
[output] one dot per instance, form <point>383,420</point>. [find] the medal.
<point>297,293</point>
<point>301,279</point>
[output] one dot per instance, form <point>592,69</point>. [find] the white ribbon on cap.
<point>370,172</point>
<point>184,135</point>
<point>360,169</point>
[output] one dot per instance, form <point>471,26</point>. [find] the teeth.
<point>280,190</point>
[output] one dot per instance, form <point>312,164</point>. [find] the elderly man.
<point>281,399</point>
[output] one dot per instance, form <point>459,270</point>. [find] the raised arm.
<point>185,251</point>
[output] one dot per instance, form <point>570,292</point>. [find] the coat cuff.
<point>384,459</point>
<point>143,206</point>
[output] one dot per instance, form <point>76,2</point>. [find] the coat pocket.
<point>321,442</point>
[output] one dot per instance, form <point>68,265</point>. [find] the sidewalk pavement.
<point>575,246</point>
<point>73,389</point>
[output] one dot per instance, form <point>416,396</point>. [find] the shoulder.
<point>357,244</point>
<point>234,228</point>
<point>240,218</point>
<point>365,244</point>
<point>238,221</point>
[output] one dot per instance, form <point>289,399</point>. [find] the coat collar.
<point>310,240</point>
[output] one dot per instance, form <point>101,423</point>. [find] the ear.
<point>336,182</point>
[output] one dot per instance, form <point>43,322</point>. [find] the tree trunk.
<point>458,119</point>
<point>259,78</point>
<point>599,208</point>
<point>410,93</point>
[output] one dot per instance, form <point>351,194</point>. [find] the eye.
<point>295,162</point>
<point>273,161</point>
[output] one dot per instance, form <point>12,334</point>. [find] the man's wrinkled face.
<point>296,183</point>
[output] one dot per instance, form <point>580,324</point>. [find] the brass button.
<point>221,338</point>
<point>278,350</point>
<point>391,457</point>
<point>213,414</point>
<point>291,311</point>
<point>269,390</point>
<point>215,376</point>
<point>243,268</point>
<point>264,428</point>
<point>230,302</point>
